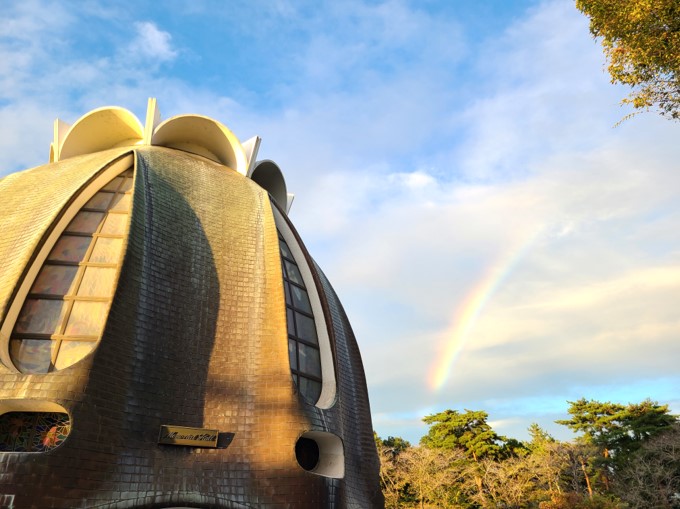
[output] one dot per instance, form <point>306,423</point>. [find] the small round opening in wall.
<point>321,453</point>
<point>307,453</point>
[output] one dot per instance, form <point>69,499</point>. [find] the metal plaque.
<point>193,437</point>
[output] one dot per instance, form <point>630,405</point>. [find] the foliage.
<point>508,483</point>
<point>539,438</point>
<point>617,429</point>
<point>652,476</point>
<point>437,476</point>
<point>396,444</point>
<point>575,501</point>
<point>599,422</point>
<point>469,432</point>
<point>423,477</point>
<point>642,421</point>
<point>393,477</point>
<point>601,425</point>
<point>641,39</point>
<point>463,463</point>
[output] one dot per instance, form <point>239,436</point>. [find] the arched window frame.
<point>52,236</point>
<point>33,432</point>
<point>35,407</point>
<point>328,380</point>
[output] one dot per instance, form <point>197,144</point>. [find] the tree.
<point>642,421</point>
<point>396,444</point>
<point>641,40</point>
<point>600,423</point>
<point>549,460</point>
<point>511,483</point>
<point>393,473</point>
<point>467,431</point>
<point>470,434</point>
<point>652,476</point>
<point>422,477</point>
<point>616,430</point>
<point>437,477</point>
<point>540,438</point>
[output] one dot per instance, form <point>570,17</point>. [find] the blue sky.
<point>456,171</point>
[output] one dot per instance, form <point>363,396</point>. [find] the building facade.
<point>166,340</point>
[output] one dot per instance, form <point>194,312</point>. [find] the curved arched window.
<point>303,343</point>
<point>309,347</point>
<point>33,431</point>
<point>64,312</point>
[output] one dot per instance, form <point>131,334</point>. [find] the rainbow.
<point>467,314</point>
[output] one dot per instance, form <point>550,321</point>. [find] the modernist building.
<point>166,340</point>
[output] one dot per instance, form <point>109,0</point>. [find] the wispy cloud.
<point>592,295</point>
<point>46,73</point>
<point>152,42</point>
<point>421,154</point>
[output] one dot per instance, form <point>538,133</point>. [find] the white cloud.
<point>413,179</point>
<point>45,72</point>
<point>591,301</point>
<point>417,180</point>
<point>152,42</point>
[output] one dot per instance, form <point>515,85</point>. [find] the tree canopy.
<point>462,463</point>
<point>615,428</point>
<point>469,432</point>
<point>641,40</point>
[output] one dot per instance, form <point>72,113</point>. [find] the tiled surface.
<point>196,336</point>
<point>350,418</point>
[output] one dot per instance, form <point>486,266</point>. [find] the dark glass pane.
<point>290,322</point>
<point>85,222</point>
<point>286,291</point>
<point>54,280</point>
<point>292,353</point>
<point>70,248</point>
<point>100,201</point>
<point>300,299</point>
<point>306,329</point>
<point>310,389</point>
<point>305,359</point>
<point>31,355</point>
<point>284,249</point>
<point>310,361</point>
<point>293,273</point>
<point>40,316</point>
